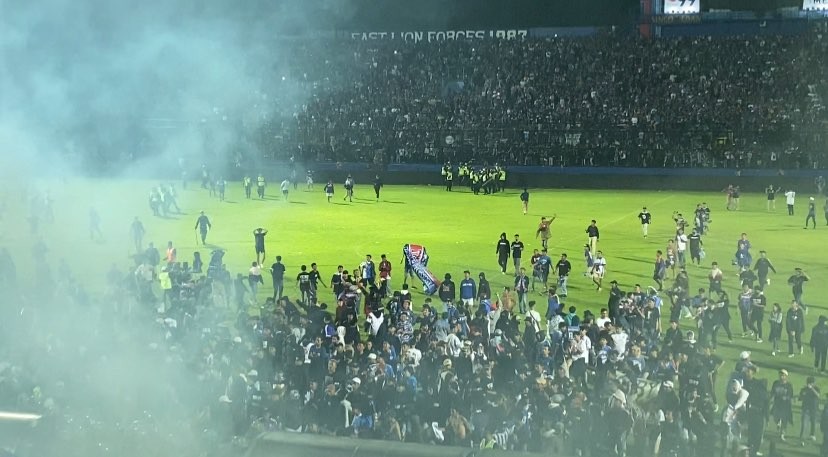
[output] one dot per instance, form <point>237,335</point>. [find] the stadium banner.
<point>442,35</point>
<point>815,5</point>
<point>682,6</point>
<point>416,258</point>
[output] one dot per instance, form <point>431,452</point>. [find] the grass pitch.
<point>459,230</point>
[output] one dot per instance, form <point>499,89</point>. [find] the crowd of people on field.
<point>361,353</point>
<point>610,99</point>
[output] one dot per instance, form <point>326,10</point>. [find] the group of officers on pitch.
<point>487,179</point>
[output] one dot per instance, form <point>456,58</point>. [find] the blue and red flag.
<point>417,259</point>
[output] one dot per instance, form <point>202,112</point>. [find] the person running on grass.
<point>329,190</point>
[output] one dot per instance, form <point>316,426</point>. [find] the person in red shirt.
<point>385,276</point>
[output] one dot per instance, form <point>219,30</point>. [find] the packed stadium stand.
<point>612,99</point>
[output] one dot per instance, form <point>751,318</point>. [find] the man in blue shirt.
<point>468,290</point>
<point>363,423</point>
<point>542,266</point>
<point>368,270</point>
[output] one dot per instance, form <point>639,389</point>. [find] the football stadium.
<point>445,227</point>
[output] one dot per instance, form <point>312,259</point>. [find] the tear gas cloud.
<point>123,89</point>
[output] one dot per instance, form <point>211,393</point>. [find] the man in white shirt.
<point>681,246</point>
<point>603,318</point>
<point>285,187</point>
<point>411,356</point>
<point>533,317</point>
<point>619,341</point>
<point>790,197</point>
<point>579,349</point>
<point>454,344</point>
<point>599,265</point>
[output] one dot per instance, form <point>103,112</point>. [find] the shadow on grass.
<point>633,259</point>
<point>396,202</point>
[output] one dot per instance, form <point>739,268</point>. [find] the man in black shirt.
<point>502,251</point>
<point>315,279</point>
<point>763,265</point>
<point>797,282</point>
<point>152,256</point>
<point>593,234</point>
<point>277,272</point>
<point>524,198</point>
<point>138,233</point>
<point>645,218</point>
<point>562,268</point>
<point>377,186</point>
<point>258,236</point>
<point>819,343</point>
<point>517,250</point>
<point>304,282</point>
<point>695,242</point>
<point>757,408</point>
<point>203,225</point>
<point>614,302</point>
<point>336,282</point>
<point>447,292</point>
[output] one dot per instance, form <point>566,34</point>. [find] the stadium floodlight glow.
<point>22,417</point>
<point>682,6</point>
<point>815,5</point>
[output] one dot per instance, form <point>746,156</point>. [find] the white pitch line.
<point>619,219</point>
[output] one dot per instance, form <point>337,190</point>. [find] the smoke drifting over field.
<point>138,85</point>
<point>125,78</point>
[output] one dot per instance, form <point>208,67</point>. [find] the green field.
<point>458,229</point>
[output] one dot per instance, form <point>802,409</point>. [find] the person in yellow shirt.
<point>166,285</point>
